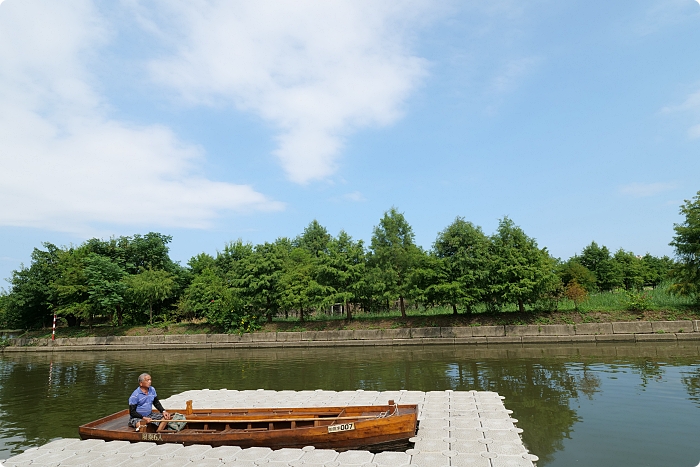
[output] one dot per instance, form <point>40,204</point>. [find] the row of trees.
<point>133,279</point>
<point>124,278</point>
<point>317,270</point>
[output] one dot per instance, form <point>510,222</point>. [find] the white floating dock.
<point>456,428</point>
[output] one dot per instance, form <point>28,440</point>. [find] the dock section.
<point>456,428</point>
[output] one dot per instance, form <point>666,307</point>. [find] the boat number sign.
<point>341,427</point>
<point>151,437</point>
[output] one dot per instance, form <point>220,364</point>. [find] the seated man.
<point>141,404</point>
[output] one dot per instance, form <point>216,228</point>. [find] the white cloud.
<point>643,190</point>
<point>692,102</point>
<point>513,73</point>
<point>691,105</point>
<point>694,131</point>
<point>662,14</point>
<point>355,196</point>
<point>64,164</point>
<point>316,70</point>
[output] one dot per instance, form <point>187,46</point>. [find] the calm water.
<point>579,405</point>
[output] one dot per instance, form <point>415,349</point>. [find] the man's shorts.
<point>133,422</point>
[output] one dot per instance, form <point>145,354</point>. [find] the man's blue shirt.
<point>143,402</point>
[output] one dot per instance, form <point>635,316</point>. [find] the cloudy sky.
<point>217,120</point>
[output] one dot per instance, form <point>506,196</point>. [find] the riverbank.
<point>433,318</point>
<point>640,331</point>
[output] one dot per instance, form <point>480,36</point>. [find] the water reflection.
<point>691,380</point>
<point>44,396</point>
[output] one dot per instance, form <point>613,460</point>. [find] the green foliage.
<point>105,285</point>
<point>462,267</point>
<point>206,297</point>
<point>150,287</point>
<point>599,261</point>
<point>656,270</point>
<point>258,278</point>
<point>70,295</point>
<point>395,255</point>
<point>631,269</point>
<point>132,277</point>
<point>300,289</point>
<point>135,253</point>
<point>686,273</point>
<point>31,301</point>
<point>201,262</point>
<point>246,323</point>
<point>638,300</point>
<point>521,272</point>
<point>4,300</point>
<point>228,261</point>
<point>574,271</point>
<point>315,239</point>
<point>342,269</point>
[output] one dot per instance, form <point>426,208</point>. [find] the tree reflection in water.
<point>691,380</point>
<point>44,396</point>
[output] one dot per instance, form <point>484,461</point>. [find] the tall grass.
<point>657,299</point>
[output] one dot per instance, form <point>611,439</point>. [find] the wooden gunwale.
<point>307,427</point>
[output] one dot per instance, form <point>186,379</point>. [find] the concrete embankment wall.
<point>640,331</point>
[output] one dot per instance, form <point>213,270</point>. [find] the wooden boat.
<point>374,428</point>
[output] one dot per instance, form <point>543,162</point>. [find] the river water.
<point>588,405</point>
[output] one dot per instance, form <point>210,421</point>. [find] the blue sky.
<point>213,121</point>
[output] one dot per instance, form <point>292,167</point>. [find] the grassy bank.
<point>657,305</point>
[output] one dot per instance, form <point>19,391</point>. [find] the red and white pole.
<point>53,334</point>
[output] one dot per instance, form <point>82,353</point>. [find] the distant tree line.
<point>131,279</point>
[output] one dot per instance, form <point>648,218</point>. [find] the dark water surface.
<point>588,405</point>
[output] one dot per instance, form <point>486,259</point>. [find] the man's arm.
<point>159,407</point>
<point>133,413</point>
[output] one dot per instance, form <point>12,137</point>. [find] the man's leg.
<point>158,420</point>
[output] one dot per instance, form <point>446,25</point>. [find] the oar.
<point>268,420</point>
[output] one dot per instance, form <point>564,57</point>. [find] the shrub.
<point>638,301</point>
<point>576,293</point>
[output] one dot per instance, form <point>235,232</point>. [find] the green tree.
<point>259,278</point>
<point>201,262</point>
<point>461,273</point>
<point>300,289</point>
<point>574,271</point>
<point>31,301</point>
<point>522,272</point>
<point>341,270</point>
<point>686,242</point>
<point>656,270</point>
<point>208,297</point>
<point>228,261</point>
<point>150,287</point>
<point>135,253</point>
<point>371,288</point>
<point>395,254</point>
<point>105,286</point>
<point>315,239</point>
<point>69,286</point>
<point>599,260</point>
<point>631,269</point>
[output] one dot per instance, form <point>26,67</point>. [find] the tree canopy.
<point>686,242</point>
<point>132,279</point>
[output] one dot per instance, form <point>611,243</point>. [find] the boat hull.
<point>338,428</point>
